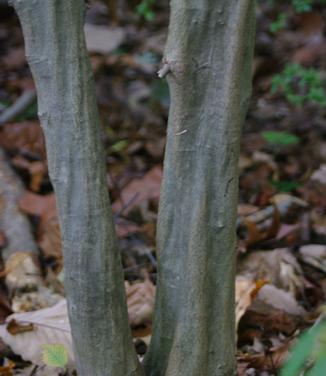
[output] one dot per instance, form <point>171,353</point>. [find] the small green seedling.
<point>145,9</point>
<point>280,138</point>
<point>300,85</point>
<point>299,6</point>
<point>55,355</point>
<point>279,23</point>
<point>302,6</point>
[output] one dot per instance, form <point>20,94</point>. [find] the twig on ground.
<point>22,103</point>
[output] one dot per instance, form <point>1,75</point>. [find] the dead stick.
<point>21,248</point>
<point>22,103</point>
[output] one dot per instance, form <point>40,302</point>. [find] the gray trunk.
<point>55,46</point>
<point>208,64</point>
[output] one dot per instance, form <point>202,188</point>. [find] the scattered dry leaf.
<point>50,325</point>
<point>22,272</point>
<point>139,191</point>
<point>314,255</point>
<point>140,301</point>
<point>244,289</point>
<point>270,297</point>
<point>7,368</point>
<point>27,137</point>
<point>14,328</point>
<point>278,266</point>
<point>271,360</point>
<point>103,39</point>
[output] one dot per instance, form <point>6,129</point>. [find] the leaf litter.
<point>281,281</point>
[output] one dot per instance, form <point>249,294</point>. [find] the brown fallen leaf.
<point>258,232</point>
<point>3,239</point>
<point>36,170</point>
<point>140,191</point>
<point>7,368</point>
<point>39,205</point>
<point>27,137</point>
<point>314,255</point>
<point>22,272</point>
<point>50,243</point>
<point>273,322</point>
<point>124,227</point>
<point>271,360</point>
<point>270,297</point>
<point>5,305</point>
<point>103,39</point>
<point>279,266</point>
<point>245,291</point>
<point>15,58</point>
<point>242,369</point>
<point>48,230</point>
<point>51,325</point>
<point>140,301</point>
<point>14,327</point>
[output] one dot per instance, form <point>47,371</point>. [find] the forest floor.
<point>281,277</point>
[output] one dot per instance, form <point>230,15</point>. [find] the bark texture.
<point>55,48</point>
<point>208,57</point>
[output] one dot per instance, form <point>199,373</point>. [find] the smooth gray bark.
<point>208,64</point>
<point>55,47</point>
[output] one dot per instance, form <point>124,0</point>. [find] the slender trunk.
<point>55,46</point>
<point>208,65</point>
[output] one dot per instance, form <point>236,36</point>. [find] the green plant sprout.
<point>279,23</point>
<point>55,355</point>
<point>302,6</point>
<point>145,9</point>
<point>300,85</point>
<point>299,6</point>
<point>280,138</point>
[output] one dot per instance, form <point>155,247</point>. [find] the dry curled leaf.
<point>271,360</point>
<point>22,272</point>
<point>140,191</point>
<point>7,368</point>
<point>48,231</point>
<point>270,297</point>
<point>245,291</point>
<point>50,326</point>
<point>14,327</point>
<point>27,137</point>
<point>140,301</point>
<point>279,267</point>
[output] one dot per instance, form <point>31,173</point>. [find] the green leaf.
<point>319,369</point>
<point>279,23</point>
<point>303,351</point>
<point>302,6</point>
<point>300,85</point>
<point>144,9</point>
<point>55,355</point>
<point>119,146</point>
<point>280,138</point>
<point>285,185</point>
<point>300,354</point>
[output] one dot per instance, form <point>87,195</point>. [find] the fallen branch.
<point>20,254</point>
<point>22,103</point>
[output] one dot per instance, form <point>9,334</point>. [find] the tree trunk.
<point>208,64</point>
<point>55,46</point>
